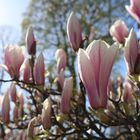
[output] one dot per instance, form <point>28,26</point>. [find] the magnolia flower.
<point>39,70</point>
<point>12,92</point>
<point>134,9</point>
<point>13,57</point>
<point>46,113</point>
<point>6,108</point>
<point>74,32</point>
<point>131,52</point>
<point>30,41</point>
<point>60,78</point>
<point>21,105</point>
<point>27,71</point>
<point>61,58</point>
<point>95,64</point>
<point>66,95</point>
<point>15,113</point>
<point>119,31</point>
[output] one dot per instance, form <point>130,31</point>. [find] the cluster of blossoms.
<point>53,113</point>
<point>28,72</point>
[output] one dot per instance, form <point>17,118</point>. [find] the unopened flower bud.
<point>6,108</point>
<point>27,71</point>
<point>30,41</point>
<point>131,52</point>
<point>15,113</point>
<point>12,92</point>
<point>66,95</point>
<point>119,31</point>
<point>61,59</point>
<point>39,70</point>
<point>46,113</point>
<point>21,105</point>
<point>60,78</point>
<point>74,32</point>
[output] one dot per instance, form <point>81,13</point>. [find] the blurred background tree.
<point>49,18</point>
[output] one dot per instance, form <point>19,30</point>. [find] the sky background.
<point>11,14</point>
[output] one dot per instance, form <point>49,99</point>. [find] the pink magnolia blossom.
<point>131,52</point>
<point>119,31</point>
<point>21,105</point>
<point>60,78</point>
<point>39,70</point>
<point>30,41</point>
<point>27,71</point>
<point>13,57</point>
<point>61,58</point>
<point>6,108</point>
<point>74,32</point>
<point>95,64</point>
<point>46,113</point>
<point>15,113</point>
<point>66,95</point>
<point>134,9</point>
<point>13,93</point>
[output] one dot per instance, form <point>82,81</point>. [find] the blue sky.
<point>11,13</point>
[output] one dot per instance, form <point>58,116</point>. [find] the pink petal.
<point>87,76</point>
<point>61,64</point>
<point>134,15</point>
<point>15,113</point>
<point>14,58</point>
<point>30,41</point>
<point>108,59</point>
<point>61,58</point>
<point>6,108</point>
<point>12,92</point>
<point>95,50</point>
<point>74,32</point>
<point>39,70</point>
<point>131,50</point>
<point>60,78</point>
<point>59,53</point>
<point>119,31</point>
<point>102,57</point>
<point>66,95</point>
<point>27,71</point>
<point>46,113</point>
<point>21,105</point>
